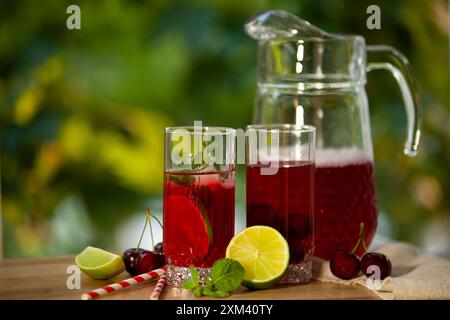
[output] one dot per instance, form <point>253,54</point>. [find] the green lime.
<point>264,254</point>
<point>99,264</point>
<point>188,230</point>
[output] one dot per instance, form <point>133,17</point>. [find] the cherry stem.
<point>361,238</point>
<point>149,216</point>
<point>143,230</point>
<point>157,220</point>
<point>364,244</point>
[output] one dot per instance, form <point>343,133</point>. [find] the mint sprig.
<point>226,276</point>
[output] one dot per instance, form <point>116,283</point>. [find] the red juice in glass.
<point>198,217</point>
<point>199,177</point>
<point>285,202</point>
<point>345,197</point>
<point>280,189</point>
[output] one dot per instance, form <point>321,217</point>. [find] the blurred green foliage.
<point>82,112</point>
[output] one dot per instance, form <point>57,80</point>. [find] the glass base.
<point>176,275</point>
<point>298,272</point>
<point>295,273</point>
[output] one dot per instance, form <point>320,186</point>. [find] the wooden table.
<point>45,278</point>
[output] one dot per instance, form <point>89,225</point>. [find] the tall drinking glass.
<point>199,177</point>
<point>280,189</point>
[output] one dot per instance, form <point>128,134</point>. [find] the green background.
<point>82,112</point>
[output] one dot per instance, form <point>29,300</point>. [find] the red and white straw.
<point>123,284</point>
<point>158,288</point>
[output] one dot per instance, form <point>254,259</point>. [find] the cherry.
<point>137,260</point>
<point>158,248</point>
<point>379,260</point>
<point>344,265</point>
<point>149,261</point>
<point>131,258</point>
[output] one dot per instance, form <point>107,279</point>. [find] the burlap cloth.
<point>414,274</point>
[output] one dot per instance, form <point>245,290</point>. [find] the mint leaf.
<point>208,283</point>
<point>221,294</point>
<point>188,284</point>
<point>194,275</point>
<point>227,274</point>
<point>192,283</point>
<point>215,293</point>
<point>207,291</point>
<point>198,291</point>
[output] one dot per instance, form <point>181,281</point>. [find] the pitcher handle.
<point>389,58</point>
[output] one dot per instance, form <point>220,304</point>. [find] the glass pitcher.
<point>308,76</point>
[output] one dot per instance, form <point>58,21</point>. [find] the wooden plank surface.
<point>45,278</point>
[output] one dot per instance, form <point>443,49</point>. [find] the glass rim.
<point>204,130</point>
<point>284,127</point>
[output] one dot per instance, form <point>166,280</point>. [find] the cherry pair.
<point>138,260</point>
<point>347,265</point>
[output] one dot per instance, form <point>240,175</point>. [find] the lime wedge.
<point>188,230</point>
<point>264,254</point>
<point>99,264</point>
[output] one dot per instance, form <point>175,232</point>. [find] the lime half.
<point>99,264</point>
<point>264,254</point>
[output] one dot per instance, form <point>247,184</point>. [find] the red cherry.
<point>137,260</point>
<point>149,261</point>
<point>159,247</point>
<point>344,265</point>
<point>376,259</point>
<point>131,258</point>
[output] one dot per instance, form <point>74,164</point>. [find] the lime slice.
<point>187,229</point>
<point>99,264</point>
<point>264,254</point>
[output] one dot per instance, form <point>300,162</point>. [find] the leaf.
<point>194,275</point>
<point>198,291</point>
<point>227,275</point>
<point>208,283</point>
<point>208,292</point>
<point>188,284</point>
<point>221,294</point>
<point>215,293</point>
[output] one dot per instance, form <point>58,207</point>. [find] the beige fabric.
<point>414,275</point>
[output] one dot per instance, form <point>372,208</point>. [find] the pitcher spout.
<point>274,24</point>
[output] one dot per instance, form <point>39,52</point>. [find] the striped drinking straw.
<point>123,284</point>
<point>158,288</point>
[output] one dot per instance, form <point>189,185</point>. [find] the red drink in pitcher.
<point>285,202</point>
<point>198,217</point>
<point>344,198</point>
